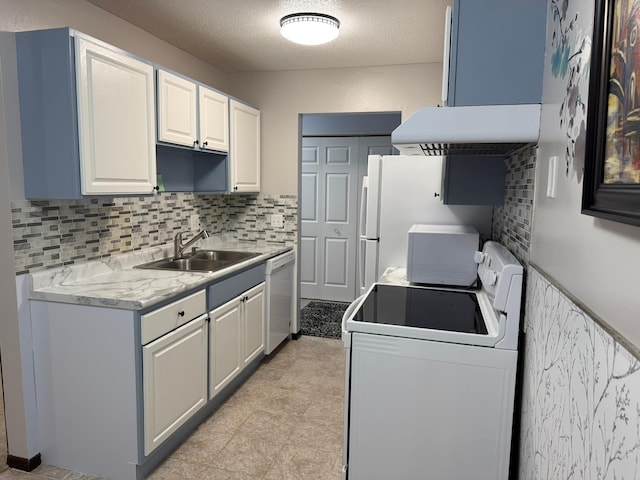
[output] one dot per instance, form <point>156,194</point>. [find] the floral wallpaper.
<point>581,394</point>
<point>570,54</point>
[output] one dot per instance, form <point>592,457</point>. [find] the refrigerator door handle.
<point>362,263</point>
<point>363,206</point>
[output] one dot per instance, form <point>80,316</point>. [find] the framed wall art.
<point>611,186</point>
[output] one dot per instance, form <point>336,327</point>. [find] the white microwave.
<point>443,254</point>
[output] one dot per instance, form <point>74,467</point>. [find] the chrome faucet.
<point>178,247</point>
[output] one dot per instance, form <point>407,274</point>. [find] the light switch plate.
<point>194,222</point>
<point>277,221</point>
<point>552,177</point>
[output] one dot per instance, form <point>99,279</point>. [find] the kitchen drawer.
<point>163,320</point>
<point>229,288</point>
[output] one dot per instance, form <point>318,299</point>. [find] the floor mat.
<point>322,319</point>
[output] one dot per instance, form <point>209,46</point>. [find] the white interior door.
<point>328,236</point>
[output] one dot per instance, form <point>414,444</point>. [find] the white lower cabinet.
<point>253,323</point>
<point>236,337</point>
<point>224,344</point>
<point>174,372</point>
<point>118,389</point>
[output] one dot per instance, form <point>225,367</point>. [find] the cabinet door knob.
<point>235,188</point>
<point>156,188</point>
<point>436,194</point>
<point>205,144</point>
<point>196,143</point>
<point>181,313</point>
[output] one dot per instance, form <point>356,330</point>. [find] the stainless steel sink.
<point>200,261</point>
<point>222,255</point>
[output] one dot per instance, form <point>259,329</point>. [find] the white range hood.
<point>473,130</point>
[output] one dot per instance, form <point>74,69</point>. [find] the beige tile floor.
<point>284,423</point>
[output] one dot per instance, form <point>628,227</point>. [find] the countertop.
<point>113,282</point>
<point>395,276</point>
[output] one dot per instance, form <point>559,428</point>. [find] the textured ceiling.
<point>243,35</point>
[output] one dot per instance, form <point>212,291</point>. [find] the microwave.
<point>442,254</point>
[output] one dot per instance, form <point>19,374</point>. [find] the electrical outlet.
<point>194,222</point>
<point>277,221</point>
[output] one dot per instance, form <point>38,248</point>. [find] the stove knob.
<point>489,278</point>
<point>479,257</point>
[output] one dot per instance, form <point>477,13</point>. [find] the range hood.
<point>473,130</point>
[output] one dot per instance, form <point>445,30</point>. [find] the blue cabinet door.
<point>497,52</point>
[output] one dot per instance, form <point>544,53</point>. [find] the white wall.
<point>597,261</point>
<point>19,396</point>
<point>282,96</point>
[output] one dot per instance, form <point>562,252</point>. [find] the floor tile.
<point>302,463</point>
<point>172,469</point>
<point>248,454</point>
<point>318,434</point>
<point>202,450</point>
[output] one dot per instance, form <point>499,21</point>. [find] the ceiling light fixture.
<point>309,28</point>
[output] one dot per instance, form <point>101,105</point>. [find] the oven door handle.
<point>346,337</point>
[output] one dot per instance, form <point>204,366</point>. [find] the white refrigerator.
<point>397,192</point>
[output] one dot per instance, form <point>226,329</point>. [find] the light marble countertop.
<point>113,282</point>
<point>394,275</point>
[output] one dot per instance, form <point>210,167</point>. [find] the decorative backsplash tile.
<point>581,394</point>
<point>49,234</point>
<point>512,221</point>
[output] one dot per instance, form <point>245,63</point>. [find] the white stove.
<point>431,376</point>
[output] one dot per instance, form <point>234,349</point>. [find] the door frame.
<point>346,124</point>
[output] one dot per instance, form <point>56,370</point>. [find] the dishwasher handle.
<point>280,261</point>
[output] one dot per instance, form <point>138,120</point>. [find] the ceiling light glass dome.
<point>309,28</point>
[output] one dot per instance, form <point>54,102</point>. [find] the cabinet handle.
<point>205,144</point>
<point>436,195</point>
<point>196,143</point>
<point>181,313</point>
<point>156,188</point>
<point>235,188</point>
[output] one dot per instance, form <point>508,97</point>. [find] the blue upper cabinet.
<point>87,117</point>
<point>497,52</point>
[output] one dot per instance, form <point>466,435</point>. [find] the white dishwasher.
<point>279,293</point>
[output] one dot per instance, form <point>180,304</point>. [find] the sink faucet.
<point>178,247</point>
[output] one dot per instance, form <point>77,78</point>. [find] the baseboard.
<point>25,464</point>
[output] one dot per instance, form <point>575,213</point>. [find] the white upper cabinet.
<point>116,119</point>
<point>177,110</point>
<point>244,155</point>
<point>191,115</point>
<point>87,114</point>
<point>214,120</point>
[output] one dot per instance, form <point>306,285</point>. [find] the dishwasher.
<point>279,294</point>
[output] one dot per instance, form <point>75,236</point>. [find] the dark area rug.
<point>322,319</point>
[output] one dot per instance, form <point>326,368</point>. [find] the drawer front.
<point>163,320</point>
<point>229,288</point>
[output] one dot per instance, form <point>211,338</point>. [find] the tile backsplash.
<point>512,221</point>
<point>49,234</point>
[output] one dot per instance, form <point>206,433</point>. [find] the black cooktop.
<point>422,308</point>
